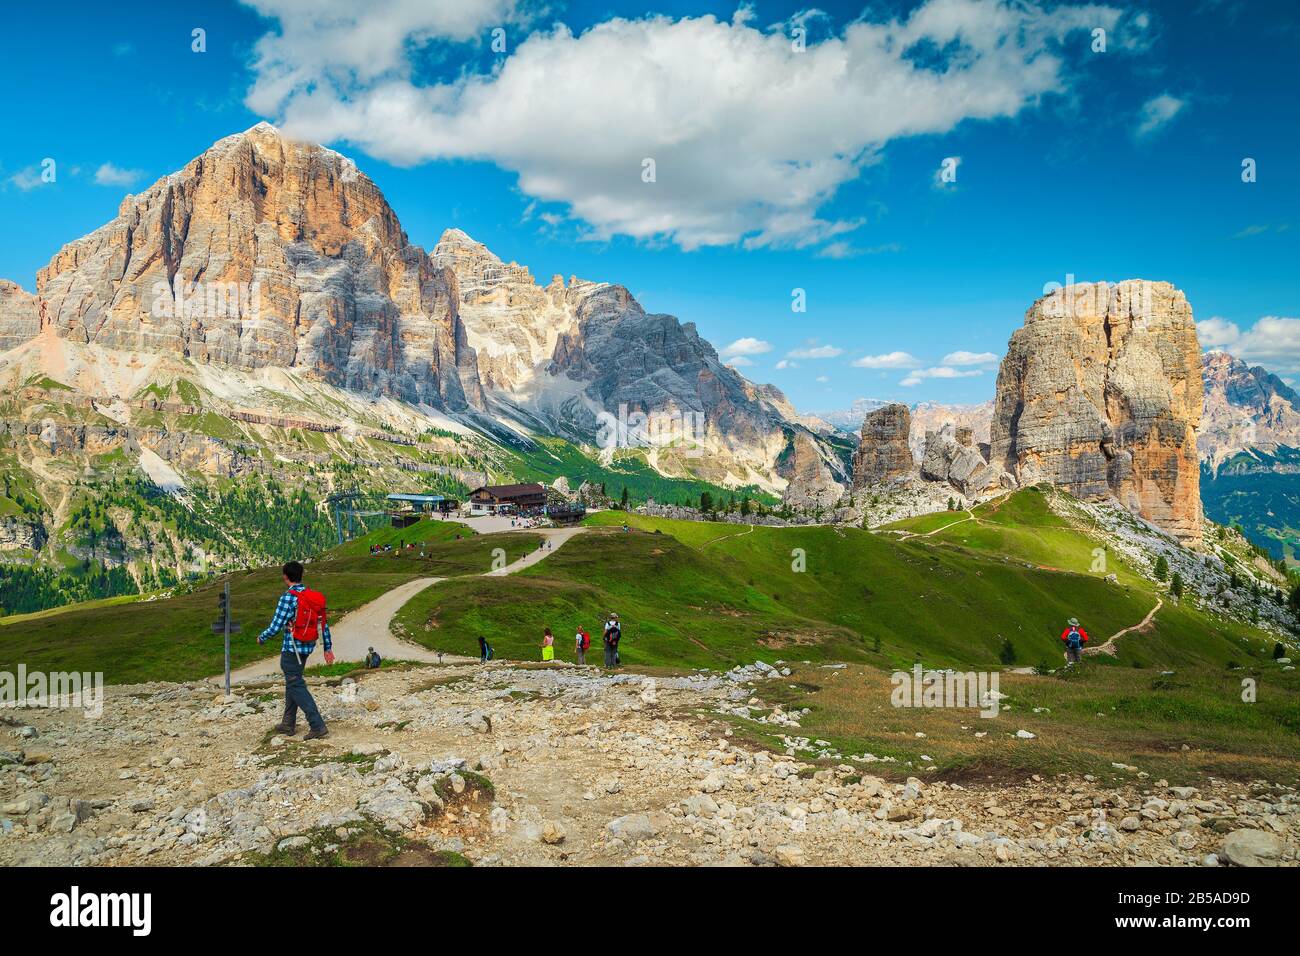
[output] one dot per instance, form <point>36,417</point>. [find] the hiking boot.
<point>288,723</point>
<point>317,734</point>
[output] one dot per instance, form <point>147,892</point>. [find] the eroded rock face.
<point>20,315</point>
<point>266,252</point>
<point>883,452</point>
<point>1100,393</point>
<point>951,456</point>
<point>812,484</point>
<point>563,355</point>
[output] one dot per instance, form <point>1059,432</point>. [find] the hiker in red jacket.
<point>1074,637</point>
<point>300,614</point>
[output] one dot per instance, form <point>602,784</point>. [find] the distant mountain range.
<point>266,253</point>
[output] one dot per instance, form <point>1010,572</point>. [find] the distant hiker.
<point>1074,637</point>
<point>372,659</point>
<point>582,641</point>
<point>548,645</point>
<point>301,615</point>
<point>484,650</point>
<point>613,634</point>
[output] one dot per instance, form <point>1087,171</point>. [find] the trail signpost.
<point>223,625</point>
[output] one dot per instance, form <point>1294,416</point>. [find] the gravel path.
<point>368,625</point>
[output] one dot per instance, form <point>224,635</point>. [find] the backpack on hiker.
<point>1074,638</point>
<point>586,640</point>
<point>309,620</point>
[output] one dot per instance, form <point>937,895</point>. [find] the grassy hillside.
<point>171,639</point>
<point>556,458</point>
<point>711,595</point>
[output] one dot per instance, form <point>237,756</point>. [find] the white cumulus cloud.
<point>1273,341</point>
<point>962,357</point>
<point>1157,112</point>
<point>938,371</point>
<point>749,137</point>
<point>746,346</point>
<point>887,360</point>
<point>110,175</point>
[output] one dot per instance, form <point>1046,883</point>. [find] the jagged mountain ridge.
<point>342,294</point>
<point>556,357</point>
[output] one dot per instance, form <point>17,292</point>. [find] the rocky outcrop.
<point>1100,393</point>
<point>567,358</point>
<point>266,252</point>
<point>883,453</point>
<point>812,485</point>
<point>510,321</point>
<point>20,315</point>
<point>951,456</point>
<point>21,534</point>
<point>1245,408</point>
<point>933,416</point>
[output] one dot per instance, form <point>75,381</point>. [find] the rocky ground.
<point>520,764</point>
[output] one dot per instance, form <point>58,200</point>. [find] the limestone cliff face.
<point>561,357</point>
<point>883,452</point>
<point>1100,393</point>
<point>266,252</point>
<point>812,485</point>
<point>952,456</point>
<point>20,315</point>
<point>511,322</point>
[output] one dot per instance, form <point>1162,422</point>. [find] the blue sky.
<point>1109,165</point>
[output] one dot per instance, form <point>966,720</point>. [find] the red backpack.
<point>586,640</point>
<point>310,617</point>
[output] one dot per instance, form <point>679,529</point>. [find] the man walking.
<point>1074,637</point>
<point>300,614</point>
<point>613,633</point>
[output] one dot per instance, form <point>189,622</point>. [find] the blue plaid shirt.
<point>285,612</point>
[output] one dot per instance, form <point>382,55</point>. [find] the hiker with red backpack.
<point>582,641</point>
<point>1074,637</point>
<point>301,615</point>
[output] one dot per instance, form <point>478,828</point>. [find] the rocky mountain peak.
<point>1245,407</point>
<point>883,453</point>
<point>267,252</point>
<point>1100,393</point>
